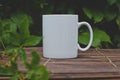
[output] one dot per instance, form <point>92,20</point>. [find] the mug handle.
<point>91,35</point>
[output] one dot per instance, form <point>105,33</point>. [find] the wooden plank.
<point>88,65</point>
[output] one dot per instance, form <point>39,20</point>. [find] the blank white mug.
<point>60,36</point>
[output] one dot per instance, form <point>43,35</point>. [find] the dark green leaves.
<point>35,59</point>
<point>4,71</point>
<point>109,15</point>
<point>100,15</point>
<point>97,16</point>
<point>23,22</point>
<point>111,2</point>
<point>118,21</point>
<point>99,37</point>
<point>39,73</point>
<point>14,35</point>
<point>15,31</point>
<point>88,12</point>
<point>117,40</point>
<point>22,55</point>
<point>35,62</point>
<point>32,41</point>
<point>14,78</point>
<point>35,70</point>
<point>43,72</point>
<point>10,68</point>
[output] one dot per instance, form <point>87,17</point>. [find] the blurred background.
<point>103,15</point>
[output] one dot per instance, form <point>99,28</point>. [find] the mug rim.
<point>59,15</point>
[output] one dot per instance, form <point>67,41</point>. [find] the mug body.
<point>60,36</point>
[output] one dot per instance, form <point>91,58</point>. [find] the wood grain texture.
<point>89,65</point>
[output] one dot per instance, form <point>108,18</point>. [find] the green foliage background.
<point>103,15</point>
<point>15,35</point>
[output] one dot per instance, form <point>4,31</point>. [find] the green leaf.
<point>117,40</point>
<point>97,40</point>
<point>88,12</point>
<point>32,41</point>
<point>1,28</point>
<point>111,2</point>
<point>8,25</point>
<point>44,75</point>
<point>95,14</point>
<point>10,49</point>
<point>14,67</point>
<point>14,78</point>
<point>118,5</point>
<point>35,59</point>
<point>11,69</point>
<point>5,71</point>
<point>28,66</point>
<point>109,15</point>
<point>118,21</point>
<point>13,27</point>
<point>29,75</point>
<point>33,76</point>
<point>35,70</point>
<point>5,37</point>
<point>14,39</point>
<point>41,5</point>
<point>23,22</point>
<point>39,73</point>
<point>5,27</point>
<point>22,55</point>
<point>35,62</point>
<point>84,38</point>
<point>100,34</point>
<point>98,16</point>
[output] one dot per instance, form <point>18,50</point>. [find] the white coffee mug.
<point>60,36</point>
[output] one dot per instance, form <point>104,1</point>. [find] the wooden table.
<point>89,65</point>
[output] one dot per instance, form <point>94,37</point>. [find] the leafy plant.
<point>97,16</point>
<point>117,40</point>
<point>102,14</point>
<point>14,36</point>
<point>99,13</point>
<point>99,37</point>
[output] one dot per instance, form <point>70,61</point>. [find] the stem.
<point>2,44</point>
